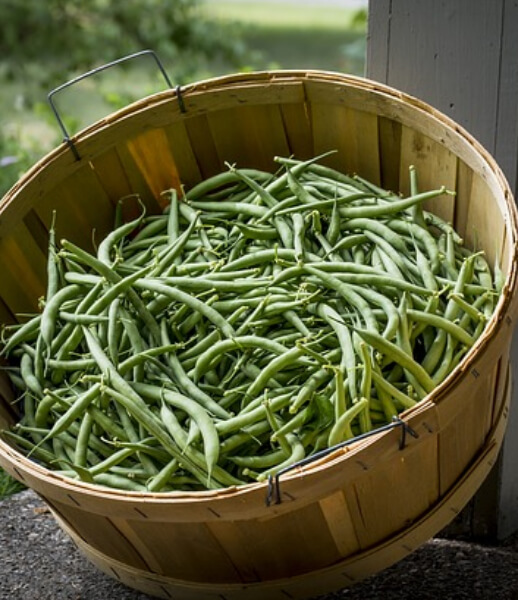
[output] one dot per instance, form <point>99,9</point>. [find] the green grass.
<point>282,14</point>
<point>8,485</point>
<point>288,36</point>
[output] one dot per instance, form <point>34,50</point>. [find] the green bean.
<point>113,460</point>
<point>257,232</point>
<point>202,283</point>
<point>105,247</point>
<point>441,323</point>
<point>259,462</point>
<point>206,359</point>
<point>114,278</point>
<point>173,226</point>
<point>383,302</point>
<point>233,208</point>
<point>223,477</point>
<point>297,453</point>
<point>248,418</point>
<point>298,235</point>
<point>111,480</point>
<point>30,380</point>
<point>198,413</point>
<point>379,229</point>
<point>309,388</point>
<point>49,315</point>
<point>52,260</point>
<point>153,425</point>
<point>222,179</point>
<point>390,266</point>
<point>391,390</point>
<point>349,241</point>
<point>323,204</point>
<point>23,333</point>
<point>365,387</point>
<point>37,452</point>
<point>77,408</point>
<point>179,296</point>
<point>395,353</point>
<point>341,430</point>
<point>82,440</point>
<point>169,259</point>
<point>468,308</point>
<point>160,480</point>
<point>347,293</point>
<point>189,386</point>
<point>420,234</point>
<point>150,227</point>
<point>277,364</point>
<point>450,313</point>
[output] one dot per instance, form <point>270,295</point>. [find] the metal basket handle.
<point>273,492</point>
<point>60,88</point>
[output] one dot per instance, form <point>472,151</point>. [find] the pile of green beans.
<point>261,318</point>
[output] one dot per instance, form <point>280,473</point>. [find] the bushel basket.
<point>332,522</point>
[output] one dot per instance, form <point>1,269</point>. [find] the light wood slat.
<point>202,559</point>
<point>499,387</point>
<point>345,572</point>
<point>38,230</point>
<point>291,547</point>
<point>84,213</point>
<point>435,166</point>
<point>99,532</point>
<point>7,400</point>
<point>364,145</point>
<point>23,267</point>
<point>111,175</point>
<point>136,179</point>
<point>340,523</point>
<point>265,91</point>
<point>463,190</point>
<point>6,316</point>
<point>390,153</point>
<point>460,439</point>
<point>482,230</point>
<point>235,541</point>
<point>202,143</point>
<point>353,134</point>
<point>184,163</point>
<point>298,129</point>
<point>140,544</point>
<point>240,138</point>
<point>152,155</point>
<point>374,519</point>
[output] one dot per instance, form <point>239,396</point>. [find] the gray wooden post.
<point>461,56</point>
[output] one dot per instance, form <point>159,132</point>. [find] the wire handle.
<point>273,493</point>
<point>60,88</point>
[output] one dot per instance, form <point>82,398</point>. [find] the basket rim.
<point>422,412</point>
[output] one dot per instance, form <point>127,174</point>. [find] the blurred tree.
<point>49,40</point>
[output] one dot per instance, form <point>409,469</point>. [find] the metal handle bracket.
<point>273,493</point>
<point>60,88</point>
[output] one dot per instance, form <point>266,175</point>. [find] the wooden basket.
<point>363,507</point>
